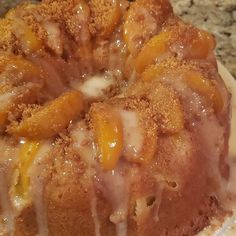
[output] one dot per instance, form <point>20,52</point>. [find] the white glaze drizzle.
<point>94,86</point>
<point>97,224</point>
<point>8,155</point>
<point>37,188</point>
<point>115,186</point>
<point>133,135</point>
<point>159,191</point>
<point>54,38</point>
<point>212,135</point>
<point>81,19</point>
<point>207,126</point>
<point>83,143</point>
<point>113,183</point>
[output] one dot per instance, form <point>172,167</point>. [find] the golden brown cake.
<point>113,120</point>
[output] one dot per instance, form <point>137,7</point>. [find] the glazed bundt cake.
<point>113,120</point>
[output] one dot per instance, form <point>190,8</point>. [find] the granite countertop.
<point>216,16</point>
<point>6,4</point>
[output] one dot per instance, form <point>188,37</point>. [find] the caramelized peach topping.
<point>108,133</point>
<point>20,82</point>
<point>105,16</point>
<point>29,71</point>
<point>122,133</point>
<point>152,50</point>
<point>29,41</point>
<point>194,79</point>
<point>52,118</point>
<point>143,20</point>
<point>152,72</point>
<point>164,103</point>
<point>26,94</point>
<point>205,87</point>
<point>28,151</point>
<point>188,44</point>
<point>201,46</point>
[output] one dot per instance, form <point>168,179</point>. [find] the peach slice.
<point>18,71</point>
<point>29,71</point>
<point>153,72</point>
<point>187,42</point>
<point>194,79</point>
<point>152,50</point>
<point>28,151</point>
<point>201,46</point>
<point>26,94</point>
<point>197,82</point>
<point>108,134</point>
<point>25,66</point>
<point>52,118</point>
<point>21,85</point>
<point>143,20</point>
<point>105,15</point>
<point>134,25</point>
<point>29,41</point>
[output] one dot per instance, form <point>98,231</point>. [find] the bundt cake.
<point>113,121</point>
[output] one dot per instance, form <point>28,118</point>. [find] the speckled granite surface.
<point>216,16</point>
<point>6,4</point>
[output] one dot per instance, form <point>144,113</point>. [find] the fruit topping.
<point>108,133</point>
<point>51,118</point>
<point>105,15</point>
<point>22,69</point>
<point>28,151</point>
<point>155,48</point>
<point>153,72</point>
<point>193,78</point>
<point>10,99</point>
<point>179,40</point>
<point>201,46</point>
<point>164,105</point>
<point>29,41</point>
<point>205,87</point>
<point>143,20</point>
